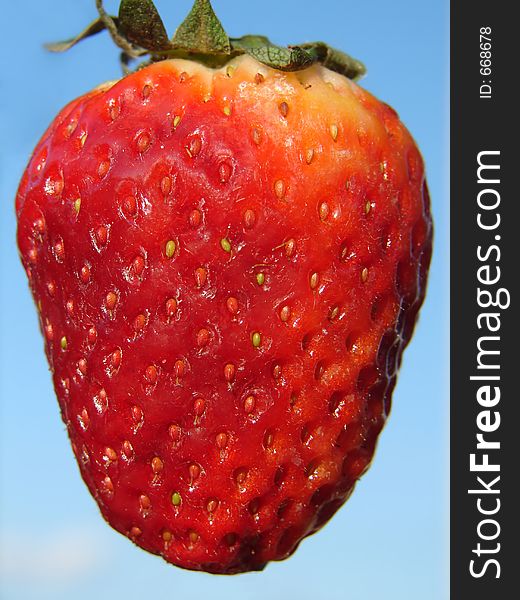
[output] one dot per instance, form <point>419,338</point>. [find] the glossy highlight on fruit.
<point>227,263</point>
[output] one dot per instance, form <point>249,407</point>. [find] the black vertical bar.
<point>485,256</point>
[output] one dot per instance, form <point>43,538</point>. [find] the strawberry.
<point>228,254</point>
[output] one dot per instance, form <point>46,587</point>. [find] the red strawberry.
<point>227,265</point>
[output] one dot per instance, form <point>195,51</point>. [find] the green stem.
<point>139,31</point>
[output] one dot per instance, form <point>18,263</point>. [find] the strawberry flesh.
<point>228,265</point>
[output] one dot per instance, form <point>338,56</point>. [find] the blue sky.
<point>390,541</point>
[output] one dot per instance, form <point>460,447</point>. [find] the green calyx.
<point>139,32</point>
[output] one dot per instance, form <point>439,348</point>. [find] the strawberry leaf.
<point>293,58</point>
<point>335,60</point>
<point>202,32</point>
<point>140,24</point>
<point>94,27</point>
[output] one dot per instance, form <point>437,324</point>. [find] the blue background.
<point>390,541</point>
